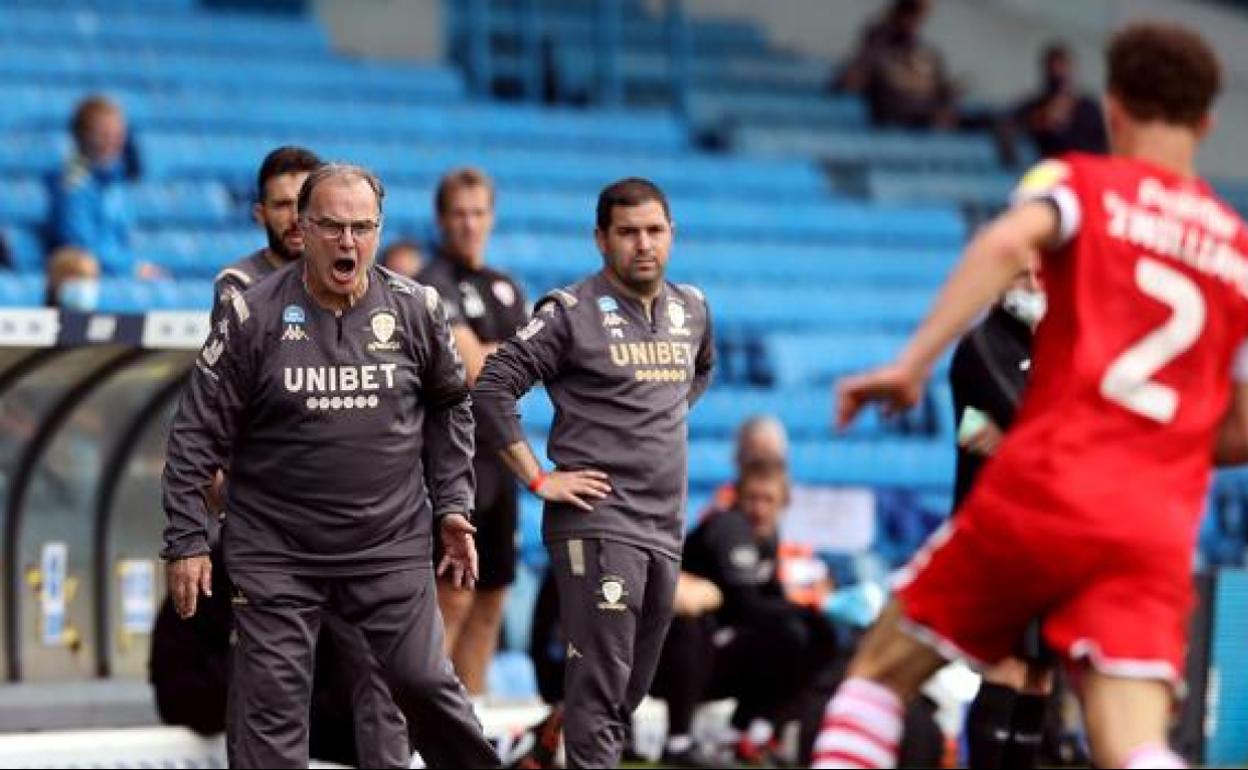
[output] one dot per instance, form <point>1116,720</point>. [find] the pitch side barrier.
<point>85,403</point>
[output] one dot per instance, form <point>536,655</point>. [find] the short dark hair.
<point>285,160</point>
<point>331,170</point>
<point>1162,71</point>
<point>632,191</point>
<point>458,179</point>
<point>1054,50</point>
<point>87,111</point>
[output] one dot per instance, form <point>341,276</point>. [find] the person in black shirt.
<point>335,394</point>
<point>756,646</point>
<point>988,374</point>
<point>484,307</point>
<point>1058,117</point>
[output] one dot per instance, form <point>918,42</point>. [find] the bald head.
<point>762,438</point>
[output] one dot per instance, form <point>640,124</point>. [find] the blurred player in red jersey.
<point>1088,515</point>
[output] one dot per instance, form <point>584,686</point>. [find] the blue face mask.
<point>79,295</point>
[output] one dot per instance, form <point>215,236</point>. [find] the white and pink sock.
<point>861,727</point>
<point>1153,755</point>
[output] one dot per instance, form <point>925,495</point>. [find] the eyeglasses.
<point>332,230</point>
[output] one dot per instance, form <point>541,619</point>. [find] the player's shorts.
<point>496,518</point>
<point>1120,603</point>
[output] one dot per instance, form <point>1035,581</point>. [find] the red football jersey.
<point>1132,364</point>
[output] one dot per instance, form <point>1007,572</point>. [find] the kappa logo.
<point>613,319</point>
<point>383,325</point>
<point>676,319</point>
<point>612,590</point>
<point>294,333</point>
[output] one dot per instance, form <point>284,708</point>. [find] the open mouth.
<point>343,270</point>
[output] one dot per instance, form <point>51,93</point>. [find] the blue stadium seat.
<point>168,24</point>
<point>25,246</point>
<point>511,676</point>
<point>240,70</point>
<point>820,357</point>
<point>21,290</point>
<point>23,201</point>
<point>982,189</point>
<point>886,149</point>
<point>712,106</point>
<point>551,259</point>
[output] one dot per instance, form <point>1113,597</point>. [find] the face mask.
<point>79,295</point>
<point>1026,306</point>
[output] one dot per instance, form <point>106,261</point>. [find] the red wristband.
<point>537,482</point>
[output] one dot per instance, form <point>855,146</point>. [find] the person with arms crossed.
<point>336,397</point>
<point>623,355</point>
<point>1090,510</point>
<point>484,307</point>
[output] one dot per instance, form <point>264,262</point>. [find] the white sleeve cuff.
<point>1069,213</point>
<point>1239,364</point>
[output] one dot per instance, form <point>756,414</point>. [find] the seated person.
<point>1058,117</point>
<point>752,644</point>
<point>90,196</point>
<point>403,257</point>
<point>901,76</point>
<point>73,280</point>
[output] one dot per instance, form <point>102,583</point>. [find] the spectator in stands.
<point>484,307</point>
<point>73,280</point>
<point>90,206</point>
<point>760,439</point>
<point>1058,117</point>
<point>404,257</point>
<point>901,76</point>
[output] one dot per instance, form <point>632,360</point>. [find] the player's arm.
<point>199,445</point>
<point>992,259</point>
<point>1232,439</point>
<point>704,363</point>
<point>472,349</point>
<point>449,445</point>
<point>535,353</point>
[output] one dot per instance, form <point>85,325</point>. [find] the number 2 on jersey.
<point>1128,380</point>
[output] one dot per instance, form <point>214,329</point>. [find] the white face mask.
<point>1026,306</point>
<point>80,295</point>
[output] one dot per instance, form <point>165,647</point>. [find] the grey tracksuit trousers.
<point>277,616</point>
<point>615,603</point>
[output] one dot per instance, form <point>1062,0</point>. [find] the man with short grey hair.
<point>335,395</point>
